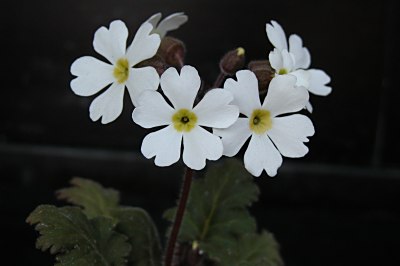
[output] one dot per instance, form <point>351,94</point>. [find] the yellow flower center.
<point>283,71</point>
<point>184,120</point>
<point>260,121</point>
<point>121,70</point>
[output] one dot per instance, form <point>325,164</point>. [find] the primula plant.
<point>261,106</point>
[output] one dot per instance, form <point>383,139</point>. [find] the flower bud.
<point>157,62</point>
<point>232,61</point>
<point>172,51</point>
<point>264,73</point>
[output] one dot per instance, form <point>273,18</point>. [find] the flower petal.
<point>92,75</point>
<point>199,145</point>
<point>245,91</point>
<point>108,105</point>
<point>152,111</point>
<point>181,89</point>
<point>214,109</point>
<point>154,19</point>
<point>144,45</point>
<point>318,81</point>
<point>261,154</point>
<point>284,97</point>
<point>288,60</point>
<point>111,43</point>
<point>301,54</point>
<point>276,35</point>
<point>164,144</point>
<point>275,59</point>
<point>172,22</point>
<point>234,137</point>
<point>302,77</point>
<point>141,79</point>
<point>288,134</point>
<point>309,107</point>
<point>282,60</point>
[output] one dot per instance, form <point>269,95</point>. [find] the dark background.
<point>337,206</point>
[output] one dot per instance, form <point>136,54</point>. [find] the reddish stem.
<point>219,80</point>
<point>169,255</point>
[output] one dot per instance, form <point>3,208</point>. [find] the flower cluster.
<point>295,61</point>
<point>223,120</point>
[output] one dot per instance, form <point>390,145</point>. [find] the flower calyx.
<point>232,61</point>
<point>172,51</point>
<point>264,73</point>
<point>157,62</point>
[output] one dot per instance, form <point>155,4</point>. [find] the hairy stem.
<point>169,255</point>
<point>219,80</point>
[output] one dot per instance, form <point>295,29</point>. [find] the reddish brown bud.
<point>264,73</point>
<point>232,61</point>
<point>172,51</point>
<point>157,62</point>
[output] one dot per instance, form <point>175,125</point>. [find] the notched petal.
<point>215,110</point>
<point>181,89</point>
<point>164,145</point>
<point>108,105</point>
<point>144,45</point>
<point>289,134</point>
<point>276,35</point>
<point>199,146</point>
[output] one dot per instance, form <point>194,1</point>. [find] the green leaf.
<point>135,223</point>
<point>95,199</point>
<point>248,250</point>
<point>142,234</point>
<point>77,240</point>
<point>218,223</point>
<point>217,205</point>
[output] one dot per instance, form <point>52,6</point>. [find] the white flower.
<point>272,135</point>
<point>93,75</point>
<point>183,121</point>
<point>295,60</point>
<point>172,22</point>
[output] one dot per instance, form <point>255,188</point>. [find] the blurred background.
<point>337,206</point>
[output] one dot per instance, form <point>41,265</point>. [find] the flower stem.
<point>169,255</point>
<point>219,80</point>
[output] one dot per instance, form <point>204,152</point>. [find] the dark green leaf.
<point>95,199</point>
<point>78,240</point>
<point>137,225</point>
<point>217,205</point>
<point>247,250</point>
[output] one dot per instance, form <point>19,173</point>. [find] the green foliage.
<point>78,240</point>
<point>99,233</point>
<point>95,200</point>
<point>143,236</point>
<point>216,209</point>
<point>248,250</point>
<point>217,219</point>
